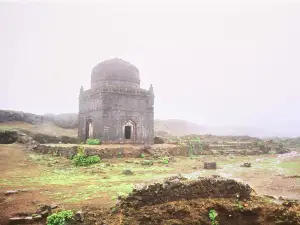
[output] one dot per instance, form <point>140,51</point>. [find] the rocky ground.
<point>36,180</point>
<point>34,185</point>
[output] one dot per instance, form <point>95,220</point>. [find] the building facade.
<point>116,109</point>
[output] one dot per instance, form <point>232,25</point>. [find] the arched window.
<point>89,129</point>
<point>129,130</point>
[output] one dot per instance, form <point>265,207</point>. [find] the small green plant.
<point>60,218</point>
<point>239,206</point>
<point>91,141</point>
<point>212,216</point>
<point>142,155</point>
<point>120,155</point>
<point>82,160</point>
<point>113,209</point>
<point>191,151</point>
<point>164,161</point>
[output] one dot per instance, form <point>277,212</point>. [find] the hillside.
<point>162,127</point>
<point>182,127</point>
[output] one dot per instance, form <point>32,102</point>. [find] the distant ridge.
<point>173,127</point>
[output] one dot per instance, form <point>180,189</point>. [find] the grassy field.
<point>54,179</point>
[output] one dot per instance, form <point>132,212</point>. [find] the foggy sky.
<point>213,63</point>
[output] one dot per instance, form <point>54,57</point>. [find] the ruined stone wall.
<point>103,153</point>
<point>8,137</point>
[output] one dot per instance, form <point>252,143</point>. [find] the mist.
<point>211,63</point>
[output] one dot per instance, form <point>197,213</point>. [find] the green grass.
<point>66,183</point>
<point>74,184</point>
<point>7,128</point>
<point>290,168</point>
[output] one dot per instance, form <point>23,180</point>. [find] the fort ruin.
<point>115,108</point>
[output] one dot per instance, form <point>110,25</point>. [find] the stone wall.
<point>8,137</point>
<point>113,152</point>
<point>12,136</point>
<point>175,189</point>
<point>103,153</point>
<point>45,139</point>
<point>111,106</point>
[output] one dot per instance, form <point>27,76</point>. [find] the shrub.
<point>83,160</point>
<point>120,155</point>
<point>142,155</point>
<point>59,218</point>
<point>164,161</point>
<point>91,141</point>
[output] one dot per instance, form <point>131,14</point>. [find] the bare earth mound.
<point>256,211</point>
<point>205,201</point>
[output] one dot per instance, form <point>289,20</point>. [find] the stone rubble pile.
<point>42,212</point>
<point>174,189</point>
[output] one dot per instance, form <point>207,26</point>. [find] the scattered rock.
<point>128,161</point>
<point>194,167</point>
<point>270,196</point>
<point>45,213</point>
<point>53,206</point>
<point>10,192</point>
<point>174,183</point>
<point>44,210</point>
<point>19,220</point>
<point>147,162</point>
<point>36,217</point>
<point>127,172</point>
<point>179,176</point>
<point>247,164</point>
<point>291,203</point>
<point>79,216</point>
<point>210,165</point>
<point>294,176</point>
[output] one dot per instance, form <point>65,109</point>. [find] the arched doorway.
<point>89,129</point>
<point>129,130</point>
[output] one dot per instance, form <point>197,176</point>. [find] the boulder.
<point>210,165</point>
<point>127,172</point>
<point>79,216</point>
<point>247,164</point>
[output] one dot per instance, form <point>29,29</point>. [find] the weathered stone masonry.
<point>116,108</point>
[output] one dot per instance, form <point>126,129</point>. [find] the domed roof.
<point>116,72</point>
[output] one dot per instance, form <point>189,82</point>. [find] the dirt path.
<point>12,161</point>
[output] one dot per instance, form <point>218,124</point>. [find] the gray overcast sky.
<point>215,63</point>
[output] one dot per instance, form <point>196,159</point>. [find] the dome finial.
<point>151,89</point>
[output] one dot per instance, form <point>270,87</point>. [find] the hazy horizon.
<point>211,63</point>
